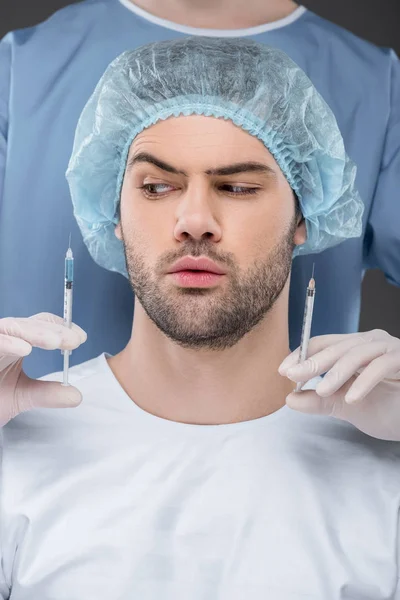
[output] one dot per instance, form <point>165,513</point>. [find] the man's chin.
<point>194,329</point>
<point>196,341</point>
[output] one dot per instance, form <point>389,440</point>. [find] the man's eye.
<point>238,190</point>
<point>156,189</point>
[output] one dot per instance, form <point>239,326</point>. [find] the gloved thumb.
<point>308,401</point>
<point>33,393</point>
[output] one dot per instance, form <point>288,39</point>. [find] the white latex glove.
<point>362,384</point>
<point>18,392</point>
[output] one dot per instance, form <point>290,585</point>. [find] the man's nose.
<point>196,215</point>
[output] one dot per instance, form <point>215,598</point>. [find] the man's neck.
<point>202,386</point>
<point>219,14</point>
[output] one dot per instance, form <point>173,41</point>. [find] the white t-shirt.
<point>107,502</point>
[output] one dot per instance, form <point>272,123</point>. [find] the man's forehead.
<point>197,129</point>
<point>211,141</point>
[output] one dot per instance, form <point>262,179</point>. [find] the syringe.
<point>68,285</point>
<point>307,320</point>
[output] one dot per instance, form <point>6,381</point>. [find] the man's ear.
<point>118,231</point>
<point>300,236</point>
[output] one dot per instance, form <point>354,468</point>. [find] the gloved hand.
<point>362,384</point>
<point>18,392</point>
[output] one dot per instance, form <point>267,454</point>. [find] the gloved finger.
<point>33,393</point>
<point>386,366</point>
<point>51,318</point>
<point>316,344</point>
<point>349,364</point>
<point>13,346</point>
<point>41,333</point>
<point>323,360</point>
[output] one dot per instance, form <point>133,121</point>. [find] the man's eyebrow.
<point>146,157</point>
<point>245,167</point>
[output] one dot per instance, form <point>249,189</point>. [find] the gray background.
<point>375,20</point>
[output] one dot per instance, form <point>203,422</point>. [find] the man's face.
<point>201,187</point>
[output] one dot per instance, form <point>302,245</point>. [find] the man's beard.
<point>210,318</point>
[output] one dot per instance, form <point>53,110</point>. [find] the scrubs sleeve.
<point>382,239</point>
<point>5,75</point>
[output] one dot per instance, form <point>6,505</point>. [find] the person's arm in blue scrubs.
<point>382,239</point>
<point>5,67</point>
<point>5,64</point>
<point>5,71</point>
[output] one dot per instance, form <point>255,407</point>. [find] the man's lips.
<point>193,272</point>
<point>191,264</point>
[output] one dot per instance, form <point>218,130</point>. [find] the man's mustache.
<point>196,249</point>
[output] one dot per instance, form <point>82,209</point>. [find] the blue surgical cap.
<point>257,87</point>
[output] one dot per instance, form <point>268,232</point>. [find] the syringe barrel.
<point>67,309</point>
<point>307,320</point>
<point>68,306</point>
<point>69,270</point>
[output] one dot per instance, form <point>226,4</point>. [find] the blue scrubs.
<point>48,72</point>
